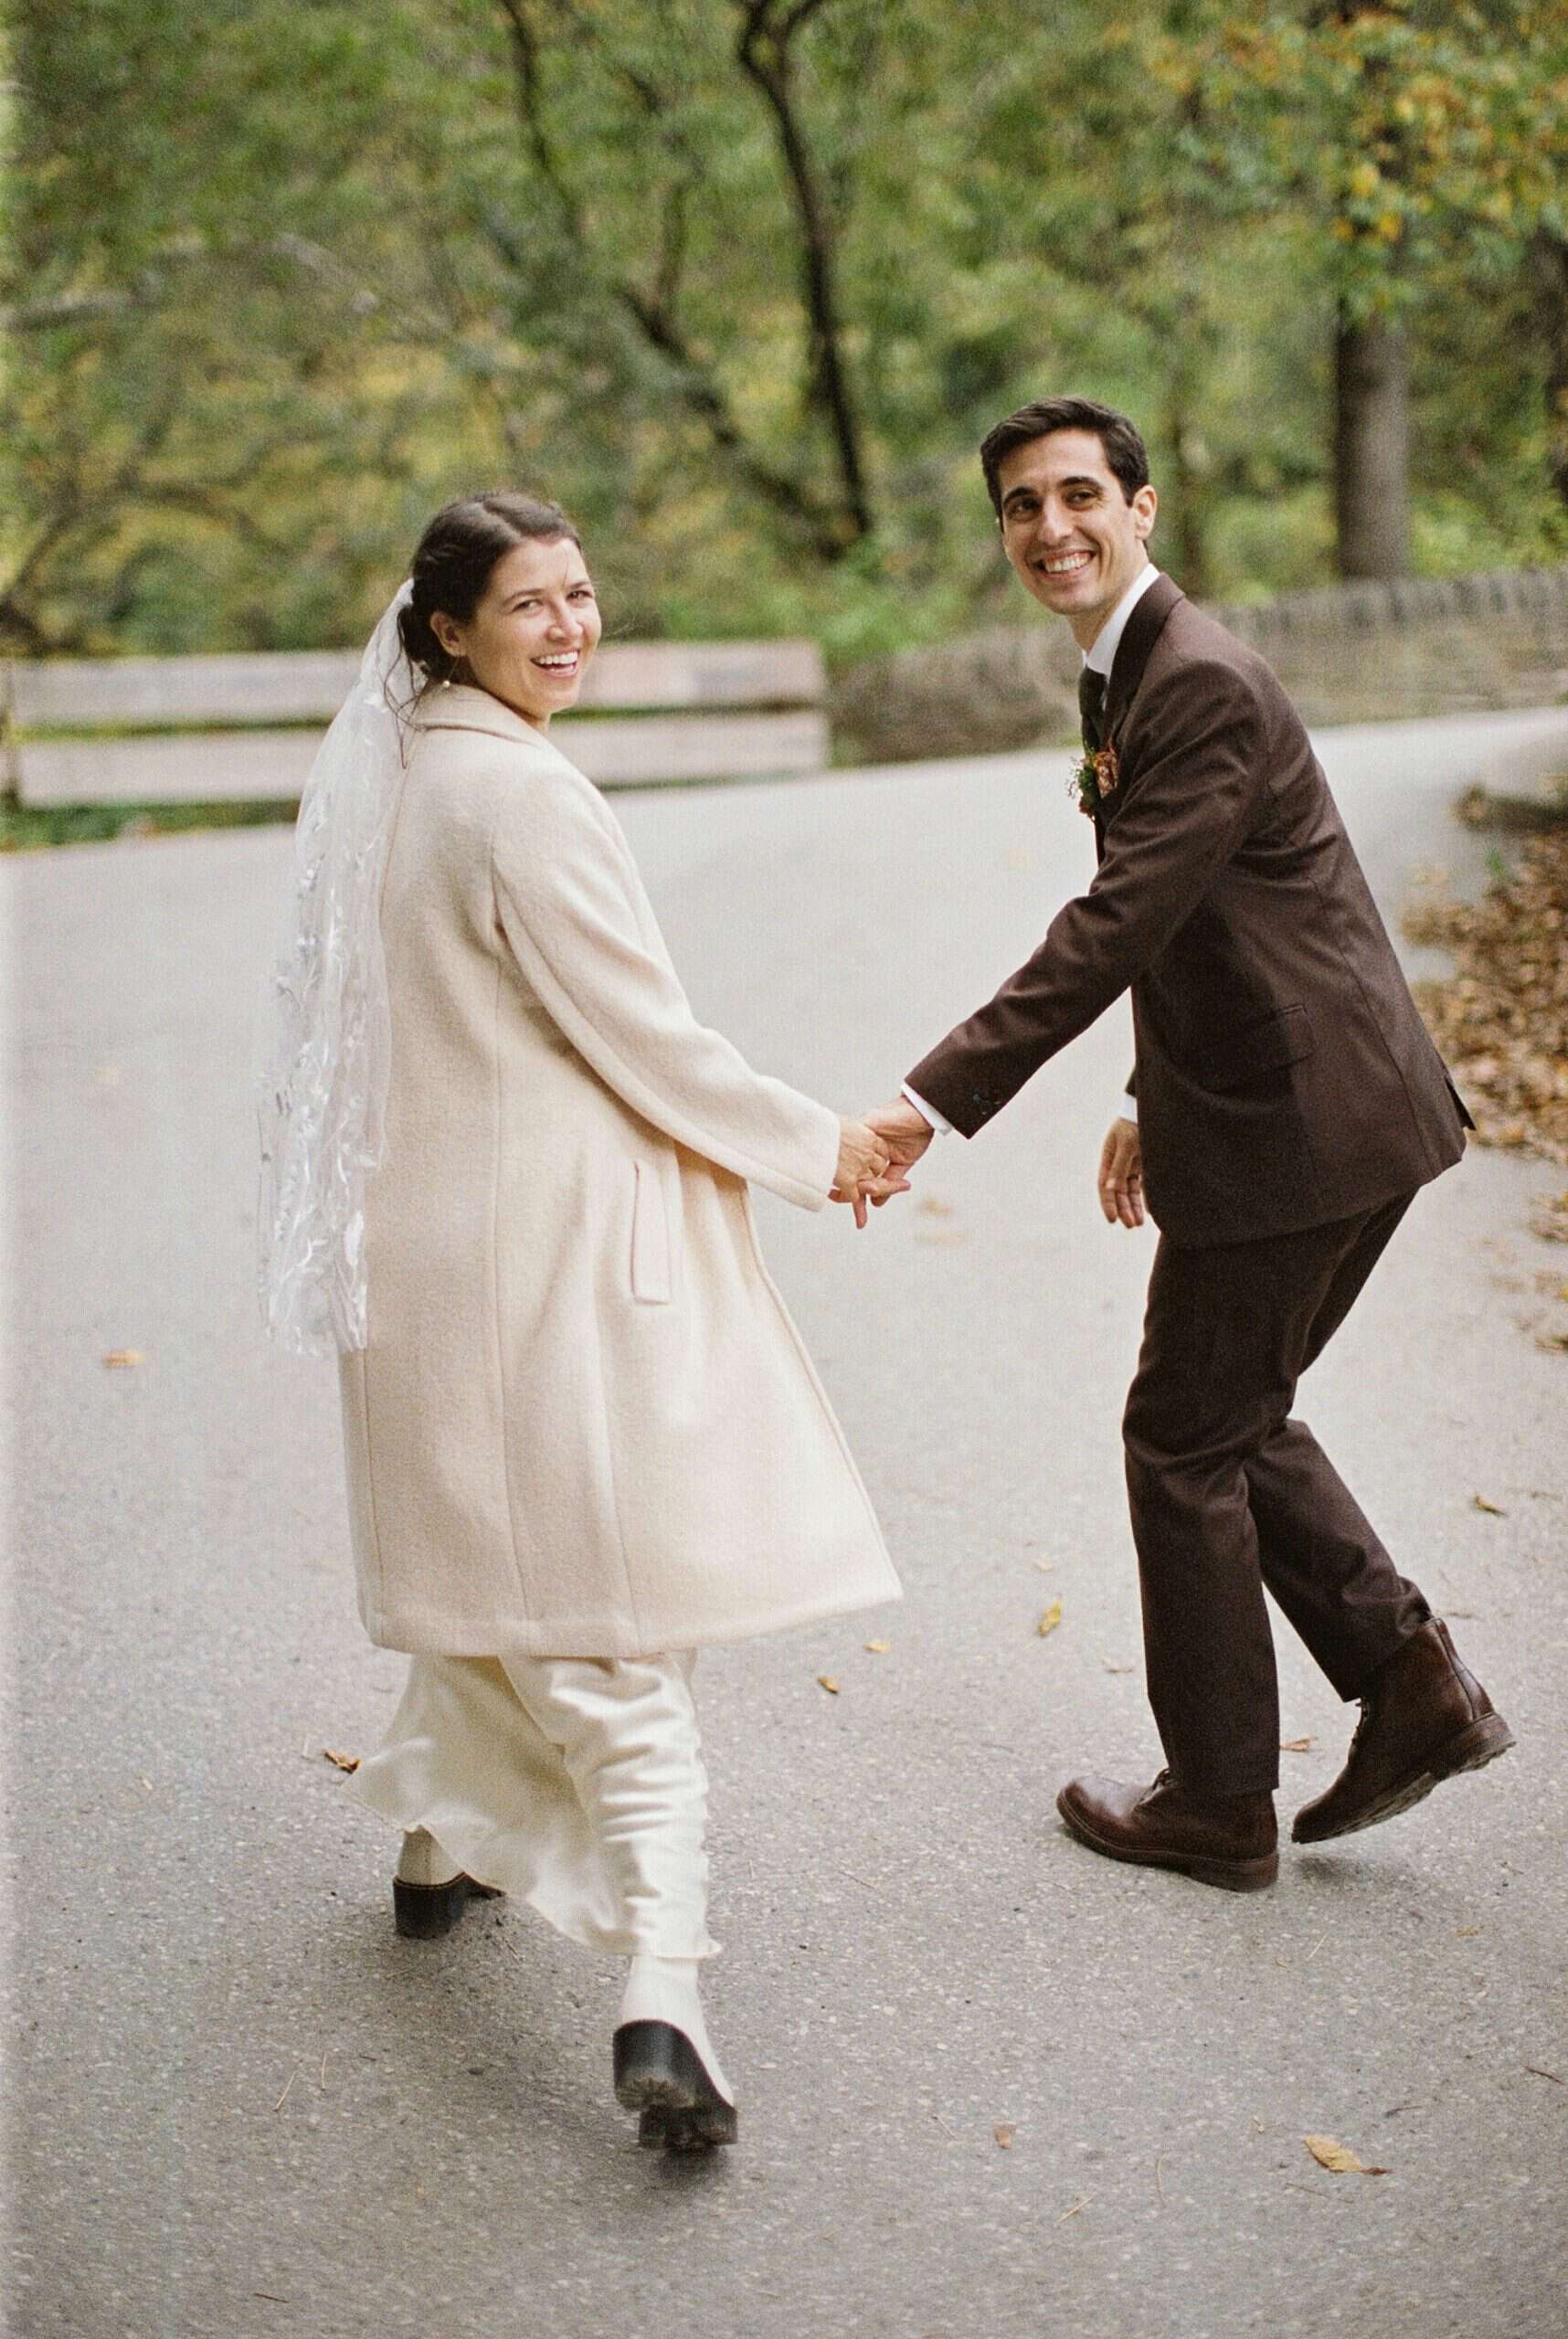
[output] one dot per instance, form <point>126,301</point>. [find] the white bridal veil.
<point>325,1049</point>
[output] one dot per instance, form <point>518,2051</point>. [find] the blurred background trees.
<point>743,283</point>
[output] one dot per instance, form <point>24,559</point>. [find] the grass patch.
<point>32,828</point>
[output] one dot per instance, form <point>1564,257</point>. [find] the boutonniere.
<point>1093,778</point>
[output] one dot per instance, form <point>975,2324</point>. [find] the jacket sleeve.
<point>1191,799</point>
<point>571,906</point>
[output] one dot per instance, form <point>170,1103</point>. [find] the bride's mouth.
<point>561,668</point>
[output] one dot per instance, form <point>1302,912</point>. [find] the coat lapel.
<point>1143,629</point>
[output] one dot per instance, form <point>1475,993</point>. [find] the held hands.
<point>1121,1175</point>
<point>874,1153</point>
<point>863,1163</point>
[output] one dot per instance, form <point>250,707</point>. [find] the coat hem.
<point>581,1639</point>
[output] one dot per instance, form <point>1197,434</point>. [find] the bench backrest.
<point>135,730</point>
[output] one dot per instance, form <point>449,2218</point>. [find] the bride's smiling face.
<point>533,630</point>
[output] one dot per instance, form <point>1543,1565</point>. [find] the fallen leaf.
<point>343,1762</point>
<point>1467,1933</point>
<point>1295,1745</point>
<point>933,1206</point>
<point>1046,1567</point>
<point>1005,2134</point>
<point>1050,1620</point>
<point>1111,1668</point>
<point>1492,1509</point>
<point>1331,2153</point>
<point>826,1681</point>
<point>878,1649</point>
<point>121,1359</point>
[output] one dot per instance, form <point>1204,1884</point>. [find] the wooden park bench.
<point>244,728</point>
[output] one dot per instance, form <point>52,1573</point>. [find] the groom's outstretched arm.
<point>1191,799</point>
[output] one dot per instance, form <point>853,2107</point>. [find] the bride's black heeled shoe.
<point>426,1912</point>
<point>660,2075</point>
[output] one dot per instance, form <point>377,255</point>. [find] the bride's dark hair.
<point>453,562</point>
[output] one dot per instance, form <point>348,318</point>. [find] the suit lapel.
<point>1143,629</point>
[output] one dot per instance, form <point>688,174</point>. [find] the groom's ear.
<point>1145,510</point>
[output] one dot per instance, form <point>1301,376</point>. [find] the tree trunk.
<point>1549,257</point>
<point>1371,448</point>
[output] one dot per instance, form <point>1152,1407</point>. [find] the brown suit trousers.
<point>1229,1494</point>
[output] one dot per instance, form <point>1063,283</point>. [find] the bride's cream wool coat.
<point>583,1424</point>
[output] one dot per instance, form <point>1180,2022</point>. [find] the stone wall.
<point>1352,653</point>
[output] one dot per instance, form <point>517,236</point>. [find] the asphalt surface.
<point>240,2105</point>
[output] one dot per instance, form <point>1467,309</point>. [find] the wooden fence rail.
<point>171,730</point>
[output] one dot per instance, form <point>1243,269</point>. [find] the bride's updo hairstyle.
<point>454,564</point>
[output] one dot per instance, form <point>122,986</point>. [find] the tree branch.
<point>762,51</point>
<point>654,314</point>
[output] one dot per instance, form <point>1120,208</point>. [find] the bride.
<point>505,1178</point>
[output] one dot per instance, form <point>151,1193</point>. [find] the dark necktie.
<point>1092,706</point>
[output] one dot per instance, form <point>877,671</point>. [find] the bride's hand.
<point>863,1159</point>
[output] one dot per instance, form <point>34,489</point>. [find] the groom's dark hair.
<point>1126,454</point>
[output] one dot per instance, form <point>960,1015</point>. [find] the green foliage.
<point>743,284</point>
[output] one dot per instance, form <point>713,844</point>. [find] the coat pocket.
<point>1265,1046</point>
<point>651,1266</point>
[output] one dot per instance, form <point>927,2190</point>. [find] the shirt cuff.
<point>1127,1109</point>
<point>928,1112</point>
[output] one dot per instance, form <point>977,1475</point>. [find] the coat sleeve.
<point>1190,801</point>
<point>570,905</point>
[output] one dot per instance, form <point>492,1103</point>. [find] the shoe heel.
<point>651,2068</point>
<point>1481,1744</point>
<point>426,1912</point>
<point>1235,1876</point>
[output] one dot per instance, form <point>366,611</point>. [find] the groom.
<point>1284,1106</point>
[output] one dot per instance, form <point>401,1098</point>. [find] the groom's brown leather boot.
<point>1423,1717</point>
<point>1227,1840</point>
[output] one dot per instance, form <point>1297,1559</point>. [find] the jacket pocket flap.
<point>1266,1047</point>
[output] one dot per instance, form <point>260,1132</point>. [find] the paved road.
<point>243,2107</point>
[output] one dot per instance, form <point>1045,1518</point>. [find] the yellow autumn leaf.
<point>1050,1619</point>
<point>1005,2133</point>
<point>1492,1509</point>
<point>1295,1745</point>
<point>343,1762</point>
<point>121,1359</point>
<point>1364,180</point>
<point>878,1649</point>
<point>1330,2154</point>
<point>826,1681</point>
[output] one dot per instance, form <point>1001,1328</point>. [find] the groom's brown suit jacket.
<point>1283,1077</point>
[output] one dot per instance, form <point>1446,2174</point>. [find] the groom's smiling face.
<point>1069,530</point>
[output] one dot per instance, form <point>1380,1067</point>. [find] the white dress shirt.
<point>1099,657</point>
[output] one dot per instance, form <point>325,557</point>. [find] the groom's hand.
<point>905,1133</point>
<point>863,1164</point>
<point>1121,1175</point>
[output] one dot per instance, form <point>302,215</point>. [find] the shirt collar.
<point>1101,656</point>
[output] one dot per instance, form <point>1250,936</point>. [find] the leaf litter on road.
<point>1050,1619</point>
